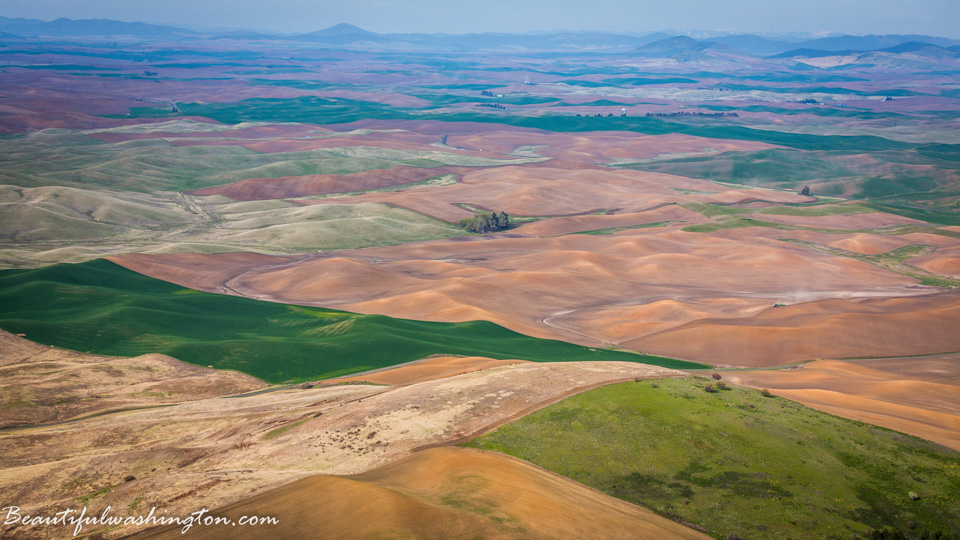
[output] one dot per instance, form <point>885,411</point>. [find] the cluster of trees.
<point>494,105</point>
<point>486,222</point>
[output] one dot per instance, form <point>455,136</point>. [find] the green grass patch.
<point>892,185</point>
<point>735,462</point>
<point>85,499</point>
<point>104,308</point>
<point>274,433</point>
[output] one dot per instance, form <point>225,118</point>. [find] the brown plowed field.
<point>443,493</point>
<point>945,261</point>
<point>869,244</point>
<point>592,290</point>
<point>822,328</point>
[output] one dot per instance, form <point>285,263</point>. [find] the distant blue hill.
<point>90,27</point>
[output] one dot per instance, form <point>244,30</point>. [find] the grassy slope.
<point>335,226</point>
<point>46,159</point>
<point>60,224</point>
<point>737,462</point>
<point>103,308</point>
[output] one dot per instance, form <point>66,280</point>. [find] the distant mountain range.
<point>657,44</point>
<point>89,27</point>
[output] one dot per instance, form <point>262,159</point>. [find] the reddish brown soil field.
<point>945,261</point>
<point>919,396</point>
<point>823,328</point>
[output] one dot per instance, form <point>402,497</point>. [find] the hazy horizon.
<point>857,17</point>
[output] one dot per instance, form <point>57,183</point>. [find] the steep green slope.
<point>735,462</point>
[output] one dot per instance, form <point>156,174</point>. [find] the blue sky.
<point>933,17</point>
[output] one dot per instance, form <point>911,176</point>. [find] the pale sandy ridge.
<point>40,384</point>
<point>215,452</point>
<point>437,367</point>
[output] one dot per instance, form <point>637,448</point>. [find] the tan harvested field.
<point>43,384</point>
<point>427,370</point>
<point>214,452</point>
<point>443,493</point>
<point>919,396</point>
